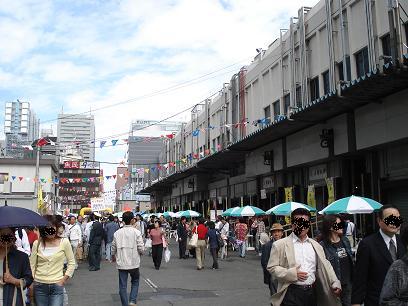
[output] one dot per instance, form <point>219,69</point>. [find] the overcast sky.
<point>83,55</point>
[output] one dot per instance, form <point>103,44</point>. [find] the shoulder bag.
<point>194,239</point>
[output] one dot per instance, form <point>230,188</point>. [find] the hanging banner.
<point>288,194</point>
<point>288,198</point>
<point>330,190</point>
<point>311,196</point>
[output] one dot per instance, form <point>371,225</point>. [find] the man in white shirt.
<point>127,246</point>
<point>224,233</point>
<point>75,237</point>
<point>350,231</point>
<point>293,263</point>
<point>22,242</point>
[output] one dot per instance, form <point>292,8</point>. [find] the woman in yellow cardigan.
<point>47,264</point>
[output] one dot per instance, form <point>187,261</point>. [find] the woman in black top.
<point>338,251</point>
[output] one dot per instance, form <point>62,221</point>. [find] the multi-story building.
<point>79,181</point>
<point>319,115</point>
<point>77,131</point>
<point>144,147</point>
<point>46,133</point>
<point>21,127</point>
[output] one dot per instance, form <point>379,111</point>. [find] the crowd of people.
<point>298,269</point>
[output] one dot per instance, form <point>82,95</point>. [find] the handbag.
<point>194,239</point>
<point>167,255</point>
<point>148,243</point>
<point>23,297</point>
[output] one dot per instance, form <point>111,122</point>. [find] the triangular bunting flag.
<point>102,144</point>
<point>13,177</point>
<point>147,170</point>
<point>114,141</point>
<point>20,178</point>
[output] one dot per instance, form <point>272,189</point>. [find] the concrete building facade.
<point>76,131</point>
<point>17,185</point>
<point>319,115</point>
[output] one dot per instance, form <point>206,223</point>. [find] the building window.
<point>386,48</point>
<point>341,71</point>
<point>286,103</point>
<point>3,177</point>
<point>314,89</point>
<point>276,108</point>
<point>298,96</point>
<point>326,82</point>
<point>267,112</point>
<point>362,62</point>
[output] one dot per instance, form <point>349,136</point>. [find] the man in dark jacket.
<point>182,237</point>
<point>95,241</point>
<point>375,254</point>
<point>110,228</point>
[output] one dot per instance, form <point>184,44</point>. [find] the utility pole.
<point>37,170</point>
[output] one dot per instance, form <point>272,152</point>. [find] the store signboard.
<point>268,182</point>
<point>142,197</point>
<point>263,194</point>
<point>98,204</point>
<point>317,173</point>
<point>75,164</point>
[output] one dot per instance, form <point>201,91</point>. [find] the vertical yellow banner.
<point>288,194</point>
<point>288,198</point>
<point>330,190</point>
<point>311,197</point>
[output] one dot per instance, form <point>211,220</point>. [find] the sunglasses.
<point>339,225</point>
<point>393,220</point>
<point>48,231</point>
<point>7,238</point>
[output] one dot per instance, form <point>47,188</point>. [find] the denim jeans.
<point>134,286</point>
<point>242,249</point>
<point>48,294</point>
<point>108,251</point>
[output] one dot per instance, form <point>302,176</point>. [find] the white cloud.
<point>95,53</point>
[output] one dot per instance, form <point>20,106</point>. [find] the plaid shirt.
<point>241,230</point>
<point>261,227</point>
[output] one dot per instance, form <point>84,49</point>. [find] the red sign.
<point>75,164</point>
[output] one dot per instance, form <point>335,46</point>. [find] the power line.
<point>155,93</point>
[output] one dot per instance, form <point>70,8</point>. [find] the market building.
<point>321,114</point>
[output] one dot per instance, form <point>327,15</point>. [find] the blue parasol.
<point>11,216</point>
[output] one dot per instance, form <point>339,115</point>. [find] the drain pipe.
<point>343,41</point>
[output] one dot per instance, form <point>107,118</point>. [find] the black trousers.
<point>157,254</point>
<point>296,296</point>
<point>214,254</point>
<point>94,257</point>
<point>182,248</point>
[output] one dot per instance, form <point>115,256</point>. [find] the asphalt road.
<point>239,281</point>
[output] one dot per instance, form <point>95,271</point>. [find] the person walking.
<point>395,289</point>
<point>241,231</point>
<point>305,277</point>
<point>47,260</point>
<point>224,234</point>
<point>95,241</point>
<point>212,241</point>
<point>350,230</point>
<point>201,231</point>
<point>375,254</point>
<point>110,228</point>
<point>127,246</point>
<point>140,225</point>
<point>182,237</point>
<point>266,246</point>
<point>338,251</point>
<point>75,237</point>
<point>15,277</point>
<point>157,235</point>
